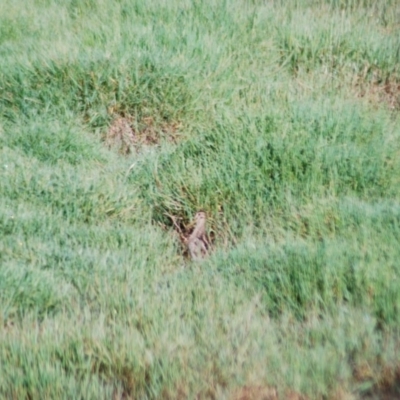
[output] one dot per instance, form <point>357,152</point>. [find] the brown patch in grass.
<point>341,394</point>
<point>264,393</point>
<point>363,372</point>
<point>386,382</point>
<point>255,393</point>
<point>290,395</point>
<point>126,133</point>
<point>388,386</point>
<point>178,393</point>
<point>377,90</point>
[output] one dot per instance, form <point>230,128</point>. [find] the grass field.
<point>280,119</point>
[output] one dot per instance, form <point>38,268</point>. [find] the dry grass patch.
<point>388,386</point>
<point>126,133</point>
<point>264,393</point>
<point>386,378</point>
<point>255,393</point>
<point>379,91</point>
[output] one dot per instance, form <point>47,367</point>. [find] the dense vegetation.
<point>280,119</point>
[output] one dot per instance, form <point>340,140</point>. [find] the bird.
<point>197,242</point>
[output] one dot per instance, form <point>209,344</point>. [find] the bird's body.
<point>197,242</point>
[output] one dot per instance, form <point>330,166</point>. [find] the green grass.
<point>279,119</point>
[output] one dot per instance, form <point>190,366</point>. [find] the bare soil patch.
<point>126,134</point>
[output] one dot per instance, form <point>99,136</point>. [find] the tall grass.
<point>279,119</point>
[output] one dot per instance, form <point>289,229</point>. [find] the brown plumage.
<point>197,242</point>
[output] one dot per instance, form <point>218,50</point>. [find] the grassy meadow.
<point>280,119</point>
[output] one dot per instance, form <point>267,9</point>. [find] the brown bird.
<point>197,242</point>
